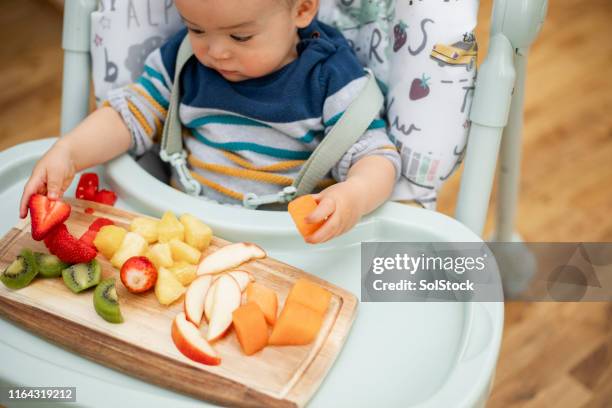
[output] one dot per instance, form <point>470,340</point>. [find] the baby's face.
<point>241,39</point>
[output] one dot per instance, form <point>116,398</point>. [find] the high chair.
<point>424,354</point>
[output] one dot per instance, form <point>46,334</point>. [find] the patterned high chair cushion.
<point>422,52</point>
<point>123,34</point>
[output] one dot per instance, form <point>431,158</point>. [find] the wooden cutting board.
<point>277,376</point>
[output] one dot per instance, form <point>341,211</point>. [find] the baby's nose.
<point>218,53</point>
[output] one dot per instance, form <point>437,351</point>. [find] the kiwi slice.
<point>20,273</point>
<point>106,301</point>
<point>81,276</point>
<point>49,266</point>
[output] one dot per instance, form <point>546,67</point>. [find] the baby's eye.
<point>195,31</point>
<point>240,38</point>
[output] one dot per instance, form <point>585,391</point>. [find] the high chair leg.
<point>510,158</point>
<point>77,65</point>
<point>489,115</point>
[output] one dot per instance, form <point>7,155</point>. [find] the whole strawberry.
<point>419,88</point>
<point>138,274</point>
<point>400,36</point>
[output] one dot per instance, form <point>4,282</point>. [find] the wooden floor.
<point>552,354</point>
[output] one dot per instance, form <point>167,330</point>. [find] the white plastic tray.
<point>397,354</point>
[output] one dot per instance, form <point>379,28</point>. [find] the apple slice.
<point>227,298</point>
<point>208,302</point>
<point>194,298</point>
<point>242,278</point>
<point>229,256</point>
<point>189,341</point>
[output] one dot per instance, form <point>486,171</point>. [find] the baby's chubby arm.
<point>102,136</point>
<point>369,183</point>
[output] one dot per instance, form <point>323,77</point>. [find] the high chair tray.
<point>407,354</point>
<point>142,346</point>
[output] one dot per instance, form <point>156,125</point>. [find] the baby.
<point>267,83</point>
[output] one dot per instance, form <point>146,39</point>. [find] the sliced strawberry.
<point>99,223</point>
<point>105,197</point>
<point>138,274</point>
<point>67,248</point>
<point>88,186</point>
<point>46,214</point>
<point>89,235</point>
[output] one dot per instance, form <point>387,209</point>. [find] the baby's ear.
<point>305,11</point>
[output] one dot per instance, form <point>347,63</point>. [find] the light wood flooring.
<point>553,354</point>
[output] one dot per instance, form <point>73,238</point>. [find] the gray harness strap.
<point>349,128</point>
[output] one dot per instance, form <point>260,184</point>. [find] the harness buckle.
<point>252,200</point>
<point>178,160</point>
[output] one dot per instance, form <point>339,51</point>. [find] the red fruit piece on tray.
<point>138,274</point>
<point>67,248</point>
<point>88,186</point>
<point>46,214</point>
<point>89,235</point>
<point>105,197</point>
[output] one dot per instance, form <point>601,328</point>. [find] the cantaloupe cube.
<point>310,294</point>
<point>197,234</point>
<point>169,227</point>
<point>265,298</point>
<point>145,227</point>
<point>296,325</point>
<point>251,328</point>
<point>185,272</point>
<point>160,255</point>
<point>109,239</point>
<point>183,252</point>
<point>299,209</point>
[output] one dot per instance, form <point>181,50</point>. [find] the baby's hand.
<point>340,206</point>
<point>52,175</point>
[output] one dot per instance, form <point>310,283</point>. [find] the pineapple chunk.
<point>160,255</point>
<point>167,288</point>
<point>183,252</point>
<point>132,245</point>
<point>169,227</point>
<point>109,239</point>
<point>184,272</point>
<point>146,227</point>
<point>197,234</point>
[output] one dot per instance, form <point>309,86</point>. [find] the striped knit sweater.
<point>254,135</point>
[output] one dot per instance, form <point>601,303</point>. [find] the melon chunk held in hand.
<point>251,328</point>
<point>299,209</point>
<point>230,256</point>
